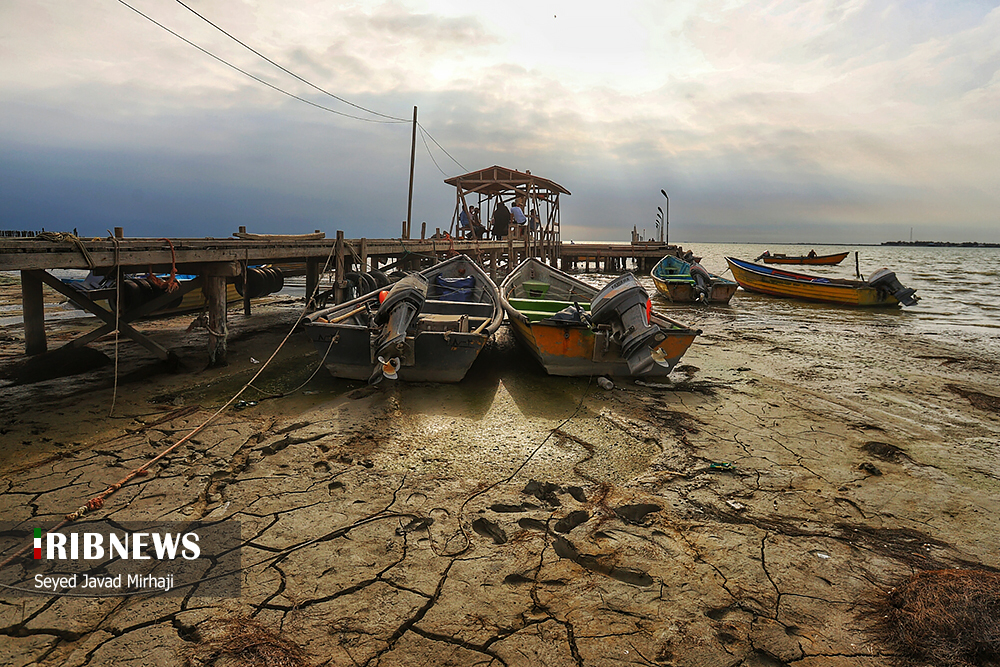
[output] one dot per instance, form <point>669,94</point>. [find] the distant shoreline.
<point>942,244</point>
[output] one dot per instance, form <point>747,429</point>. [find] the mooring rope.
<point>97,502</point>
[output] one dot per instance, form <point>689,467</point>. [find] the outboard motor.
<point>885,280</point>
<point>395,315</point>
<point>702,281</point>
<point>622,303</point>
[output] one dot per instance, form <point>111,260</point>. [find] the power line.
<point>424,139</point>
<point>258,79</point>
<point>284,69</point>
<point>423,129</point>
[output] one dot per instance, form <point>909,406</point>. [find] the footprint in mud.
<point>321,467</point>
<point>501,508</point>
<point>636,514</point>
<point>334,486</point>
<point>533,524</point>
<point>487,528</point>
<point>544,491</point>
<point>577,493</point>
<point>565,549</point>
<point>515,579</point>
<point>418,523</point>
<point>574,519</point>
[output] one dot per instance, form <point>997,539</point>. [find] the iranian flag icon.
<point>38,543</point>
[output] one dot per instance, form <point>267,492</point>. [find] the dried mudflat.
<point>736,515</point>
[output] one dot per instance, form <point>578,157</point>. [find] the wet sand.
<point>735,515</point>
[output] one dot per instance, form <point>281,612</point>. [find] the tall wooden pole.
<point>413,151</point>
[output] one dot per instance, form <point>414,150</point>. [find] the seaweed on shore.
<point>242,642</point>
<point>946,618</point>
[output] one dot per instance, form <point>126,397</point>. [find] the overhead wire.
<point>254,77</point>
<point>441,147</point>
<point>285,69</point>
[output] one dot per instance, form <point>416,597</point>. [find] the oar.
<point>341,318</point>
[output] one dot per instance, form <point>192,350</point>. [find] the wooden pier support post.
<point>339,270</point>
<point>312,279</point>
<point>218,331</point>
<point>493,265</point>
<point>423,231</point>
<point>33,310</point>
<point>364,256</point>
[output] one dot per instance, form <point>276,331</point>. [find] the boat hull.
<point>443,342</point>
<point>776,282</point>
<point>817,260</point>
<point>577,349</point>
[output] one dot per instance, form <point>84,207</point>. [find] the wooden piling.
<point>33,310</point>
<point>218,331</point>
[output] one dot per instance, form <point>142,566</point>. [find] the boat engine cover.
<point>622,303</point>
<point>397,312</point>
<point>886,280</point>
<point>412,289</point>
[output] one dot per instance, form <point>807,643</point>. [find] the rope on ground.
<point>97,502</point>
<point>59,237</point>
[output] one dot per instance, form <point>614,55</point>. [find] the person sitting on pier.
<point>517,214</point>
<point>464,228</point>
<point>533,220</point>
<point>477,226</point>
<point>501,220</point>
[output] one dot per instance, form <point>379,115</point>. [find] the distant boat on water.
<point>881,289</point>
<point>811,258</point>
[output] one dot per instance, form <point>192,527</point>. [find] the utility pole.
<point>413,150</point>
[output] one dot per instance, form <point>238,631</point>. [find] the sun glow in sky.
<point>812,120</point>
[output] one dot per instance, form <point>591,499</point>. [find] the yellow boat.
<point>881,289</point>
<point>574,329</point>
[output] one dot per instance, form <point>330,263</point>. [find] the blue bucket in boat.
<point>455,289</point>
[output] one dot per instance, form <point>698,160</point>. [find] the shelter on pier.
<point>499,184</point>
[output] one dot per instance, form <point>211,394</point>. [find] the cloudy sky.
<point>818,121</point>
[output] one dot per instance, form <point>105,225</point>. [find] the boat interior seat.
<point>542,309</point>
<point>449,322</point>
<point>472,309</point>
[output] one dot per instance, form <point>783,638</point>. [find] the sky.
<point>815,121</point>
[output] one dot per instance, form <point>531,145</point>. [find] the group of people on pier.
<point>503,219</point>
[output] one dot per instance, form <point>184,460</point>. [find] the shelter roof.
<point>498,180</point>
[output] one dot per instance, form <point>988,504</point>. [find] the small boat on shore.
<point>811,258</point>
<point>428,327</point>
<point>685,282</point>
<point>575,329</point>
<point>881,289</point>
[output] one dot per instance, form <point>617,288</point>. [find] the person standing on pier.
<point>501,220</point>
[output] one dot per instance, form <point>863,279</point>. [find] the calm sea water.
<point>959,290</point>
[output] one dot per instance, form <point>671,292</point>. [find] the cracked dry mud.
<point>734,516</point>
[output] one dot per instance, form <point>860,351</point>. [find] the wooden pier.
<point>216,261</point>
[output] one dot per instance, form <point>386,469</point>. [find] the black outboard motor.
<point>885,280</point>
<point>397,312</point>
<point>702,281</point>
<point>622,303</point>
